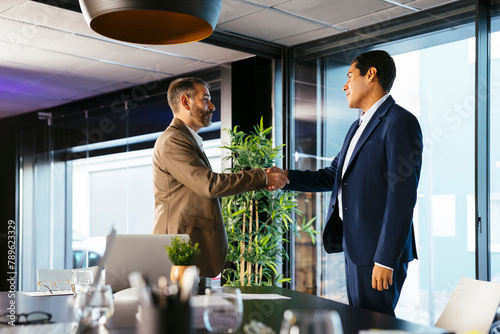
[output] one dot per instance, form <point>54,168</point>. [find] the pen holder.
<point>174,318</point>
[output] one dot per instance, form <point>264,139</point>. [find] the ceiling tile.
<point>228,56</point>
<point>426,4</point>
<point>17,75</point>
<point>338,11</point>
<point>267,3</point>
<point>7,4</point>
<point>191,67</point>
<point>18,32</point>
<point>78,82</point>
<point>13,108</point>
<point>233,9</point>
<point>308,36</point>
<point>256,25</point>
<point>49,16</point>
<point>8,102</point>
<point>84,94</point>
<point>46,89</point>
<point>374,18</point>
<point>113,87</point>
<point>88,47</point>
<point>154,61</point>
<point>114,72</point>
<point>199,51</point>
<point>50,62</point>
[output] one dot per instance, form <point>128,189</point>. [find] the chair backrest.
<point>472,307</point>
<point>54,275</point>
<point>144,253</point>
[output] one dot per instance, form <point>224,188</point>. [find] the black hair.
<point>382,61</point>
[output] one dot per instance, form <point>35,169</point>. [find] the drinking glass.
<point>311,322</point>
<point>223,309</point>
<point>81,279</point>
<point>94,305</point>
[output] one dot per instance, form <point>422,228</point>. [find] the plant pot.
<point>177,272</point>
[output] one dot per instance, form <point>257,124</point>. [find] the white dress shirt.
<point>196,136</point>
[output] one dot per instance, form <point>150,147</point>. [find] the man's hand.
<point>381,278</point>
<point>276,178</point>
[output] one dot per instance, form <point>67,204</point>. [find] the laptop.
<point>144,253</point>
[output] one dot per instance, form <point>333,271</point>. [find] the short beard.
<point>198,114</point>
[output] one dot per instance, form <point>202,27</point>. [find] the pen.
<point>162,289</point>
<point>143,289</point>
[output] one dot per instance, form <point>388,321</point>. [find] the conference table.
<point>267,311</point>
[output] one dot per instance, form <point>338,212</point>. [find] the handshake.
<point>277,178</point>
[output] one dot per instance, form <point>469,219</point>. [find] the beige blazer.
<point>187,192</point>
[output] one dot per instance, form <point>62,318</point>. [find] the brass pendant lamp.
<point>152,21</point>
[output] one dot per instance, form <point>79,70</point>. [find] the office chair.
<point>471,307</point>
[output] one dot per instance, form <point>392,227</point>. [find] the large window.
<point>436,82</point>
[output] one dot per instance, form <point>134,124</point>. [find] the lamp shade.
<point>152,21</point>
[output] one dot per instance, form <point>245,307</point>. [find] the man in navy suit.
<point>373,181</point>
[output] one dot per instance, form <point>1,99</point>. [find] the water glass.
<point>81,279</point>
<point>94,305</point>
<point>311,322</point>
<point>223,310</point>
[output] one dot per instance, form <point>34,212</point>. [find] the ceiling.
<point>49,56</point>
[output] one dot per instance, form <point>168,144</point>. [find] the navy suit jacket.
<point>379,189</point>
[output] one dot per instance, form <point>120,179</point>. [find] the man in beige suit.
<point>186,190</point>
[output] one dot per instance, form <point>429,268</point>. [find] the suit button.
<point>345,183</point>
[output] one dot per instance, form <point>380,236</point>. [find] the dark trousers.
<point>361,294</point>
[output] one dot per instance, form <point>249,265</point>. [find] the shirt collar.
<point>365,118</point>
<point>196,136</point>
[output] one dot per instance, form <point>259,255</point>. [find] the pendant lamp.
<point>152,21</point>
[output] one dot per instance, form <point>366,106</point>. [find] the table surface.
<point>269,312</point>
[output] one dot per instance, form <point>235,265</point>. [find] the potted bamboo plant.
<point>182,254</point>
<point>256,222</point>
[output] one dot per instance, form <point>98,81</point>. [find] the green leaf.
<point>276,212</point>
<point>182,252</point>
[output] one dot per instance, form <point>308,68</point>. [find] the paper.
<point>126,294</point>
<point>202,301</point>
<point>46,293</point>
<point>382,331</point>
<point>263,296</point>
<point>58,328</point>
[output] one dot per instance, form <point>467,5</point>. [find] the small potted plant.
<point>182,254</point>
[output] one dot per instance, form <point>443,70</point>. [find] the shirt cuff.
<point>381,265</point>
<point>262,169</point>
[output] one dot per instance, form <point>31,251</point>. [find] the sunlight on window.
<point>495,51</point>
